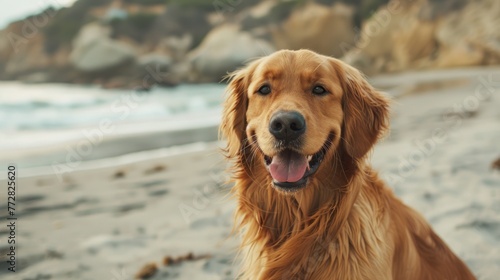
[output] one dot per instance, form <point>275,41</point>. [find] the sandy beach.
<point>115,213</point>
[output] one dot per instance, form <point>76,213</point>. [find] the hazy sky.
<point>11,10</point>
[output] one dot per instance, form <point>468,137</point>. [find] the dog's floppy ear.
<point>366,111</point>
<point>233,123</point>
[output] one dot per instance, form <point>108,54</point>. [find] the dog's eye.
<point>319,90</point>
<point>264,90</point>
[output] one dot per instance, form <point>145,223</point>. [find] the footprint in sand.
<point>158,192</point>
<point>153,183</point>
<point>496,164</point>
<point>155,169</point>
<point>30,198</point>
<point>119,174</point>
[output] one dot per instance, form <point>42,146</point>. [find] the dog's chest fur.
<point>310,241</point>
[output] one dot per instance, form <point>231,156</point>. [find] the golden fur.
<point>345,224</point>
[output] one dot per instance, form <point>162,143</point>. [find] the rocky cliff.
<point>136,44</point>
<point>422,34</point>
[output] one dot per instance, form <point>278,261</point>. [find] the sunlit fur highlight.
<point>346,224</point>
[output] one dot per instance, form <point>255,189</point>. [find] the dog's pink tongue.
<point>288,166</point>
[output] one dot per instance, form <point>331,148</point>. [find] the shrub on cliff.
<point>180,19</point>
<point>135,26</point>
<point>66,23</point>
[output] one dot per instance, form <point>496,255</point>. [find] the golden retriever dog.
<point>299,127</point>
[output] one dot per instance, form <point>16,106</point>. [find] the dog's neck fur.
<point>275,222</point>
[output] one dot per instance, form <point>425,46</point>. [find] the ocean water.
<point>34,115</point>
<point>57,106</point>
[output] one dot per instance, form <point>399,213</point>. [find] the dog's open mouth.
<point>290,169</point>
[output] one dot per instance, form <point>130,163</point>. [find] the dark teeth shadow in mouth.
<point>314,164</point>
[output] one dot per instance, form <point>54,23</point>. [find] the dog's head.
<point>293,110</point>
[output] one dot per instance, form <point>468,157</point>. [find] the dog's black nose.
<point>287,125</point>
